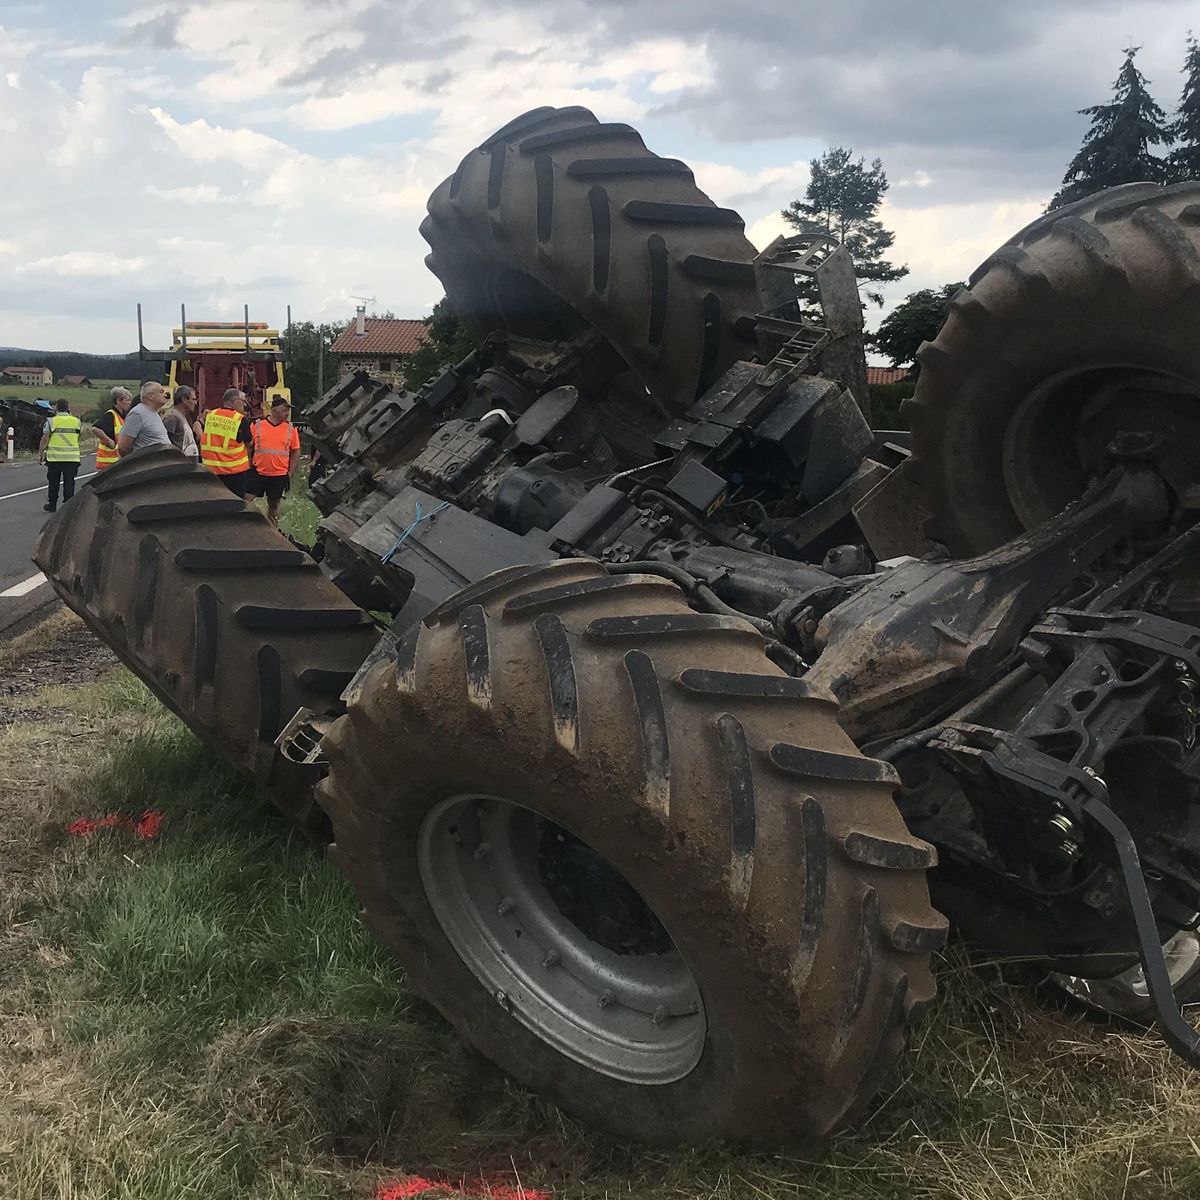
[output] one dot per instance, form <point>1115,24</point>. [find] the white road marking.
<point>24,587</point>
<point>30,491</point>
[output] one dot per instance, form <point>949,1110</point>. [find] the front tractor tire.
<point>631,861</point>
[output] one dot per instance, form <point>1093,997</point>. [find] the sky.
<point>274,152</point>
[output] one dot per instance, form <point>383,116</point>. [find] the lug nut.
<point>661,1015</point>
<point>607,997</point>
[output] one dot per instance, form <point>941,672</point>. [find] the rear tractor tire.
<point>631,861</point>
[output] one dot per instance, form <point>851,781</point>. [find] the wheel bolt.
<point>552,959</point>
<point>661,1014</point>
<point>505,906</point>
<point>607,997</point>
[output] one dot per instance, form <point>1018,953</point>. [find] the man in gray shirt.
<point>143,426</point>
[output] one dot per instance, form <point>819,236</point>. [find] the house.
<point>76,381</point>
<point>31,376</point>
<point>378,345</point>
<point>888,375</point>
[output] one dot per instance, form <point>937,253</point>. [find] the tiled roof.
<point>887,374</point>
<point>75,379</point>
<point>383,336</point>
<point>22,370</point>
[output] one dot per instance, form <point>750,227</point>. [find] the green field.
<point>81,399</point>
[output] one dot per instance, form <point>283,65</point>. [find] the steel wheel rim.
<point>1046,454</point>
<point>1127,994</point>
<point>633,1015</point>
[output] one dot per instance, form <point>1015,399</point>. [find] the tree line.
<point>71,362</point>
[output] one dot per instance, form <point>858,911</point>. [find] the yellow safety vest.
<point>63,445</point>
<point>220,451</point>
<point>107,456</point>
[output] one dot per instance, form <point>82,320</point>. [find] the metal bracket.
<point>1175,1030</point>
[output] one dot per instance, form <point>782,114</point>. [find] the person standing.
<point>276,444</point>
<point>143,426</point>
<point>179,419</point>
<point>225,441</point>
<point>108,428</point>
<point>59,450</point>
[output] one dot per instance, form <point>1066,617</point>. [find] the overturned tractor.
<point>701,708</point>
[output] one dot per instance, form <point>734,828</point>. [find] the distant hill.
<point>73,362</point>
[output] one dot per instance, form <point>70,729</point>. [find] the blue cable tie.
<point>416,521</point>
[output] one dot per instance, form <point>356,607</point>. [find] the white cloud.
<point>83,264</point>
<point>275,151</point>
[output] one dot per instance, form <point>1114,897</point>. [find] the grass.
<point>201,1016</point>
<point>82,399</point>
<point>298,515</point>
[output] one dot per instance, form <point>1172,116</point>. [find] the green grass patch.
<point>201,1015</point>
<point>298,515</point>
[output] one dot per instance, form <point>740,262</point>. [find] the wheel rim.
<point>1127,994</point>
<point>561,940</point>
<point>1059,434</point>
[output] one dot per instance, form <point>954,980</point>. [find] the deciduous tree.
<point>449,342</point>
<point>916,319</point>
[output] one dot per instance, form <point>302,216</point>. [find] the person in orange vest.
<point>276,453</point>
<point>108,428</point>
<point>224,444</point>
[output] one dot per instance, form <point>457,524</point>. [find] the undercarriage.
<point>703,709</point>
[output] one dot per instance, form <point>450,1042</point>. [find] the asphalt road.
<point>22,493</point>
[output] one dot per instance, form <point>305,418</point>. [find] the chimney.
<point>360,321</point>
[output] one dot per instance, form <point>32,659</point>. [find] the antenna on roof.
<point>360,314</point>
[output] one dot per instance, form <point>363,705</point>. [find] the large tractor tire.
<point>631,861</point>
<point>1082,326</point>
<point>558,221</point>
<point>231,626</point>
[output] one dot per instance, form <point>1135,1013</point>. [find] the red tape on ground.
<point>147,826</point>
<point>418,1185</point>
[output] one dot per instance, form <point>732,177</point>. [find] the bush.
<point>886,399</point>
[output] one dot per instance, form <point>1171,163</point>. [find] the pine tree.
<point>1117,146</point>
<point>843,198</point>
<point>1185,158</point>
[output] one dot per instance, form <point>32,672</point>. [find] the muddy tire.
<point>752,970</point>
<point>1080,326</point>
<point>231,626</point>
<point>558,221</point>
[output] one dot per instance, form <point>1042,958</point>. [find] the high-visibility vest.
<point>107,456</point>
<point>220,451</point>
<point>272,446</point>
<point>63,445</point>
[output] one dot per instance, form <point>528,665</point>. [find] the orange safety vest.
<point>107,456</point>
<point>220,451</point>
<point>272,446</point>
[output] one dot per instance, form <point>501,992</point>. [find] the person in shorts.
<point>275,446</point>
